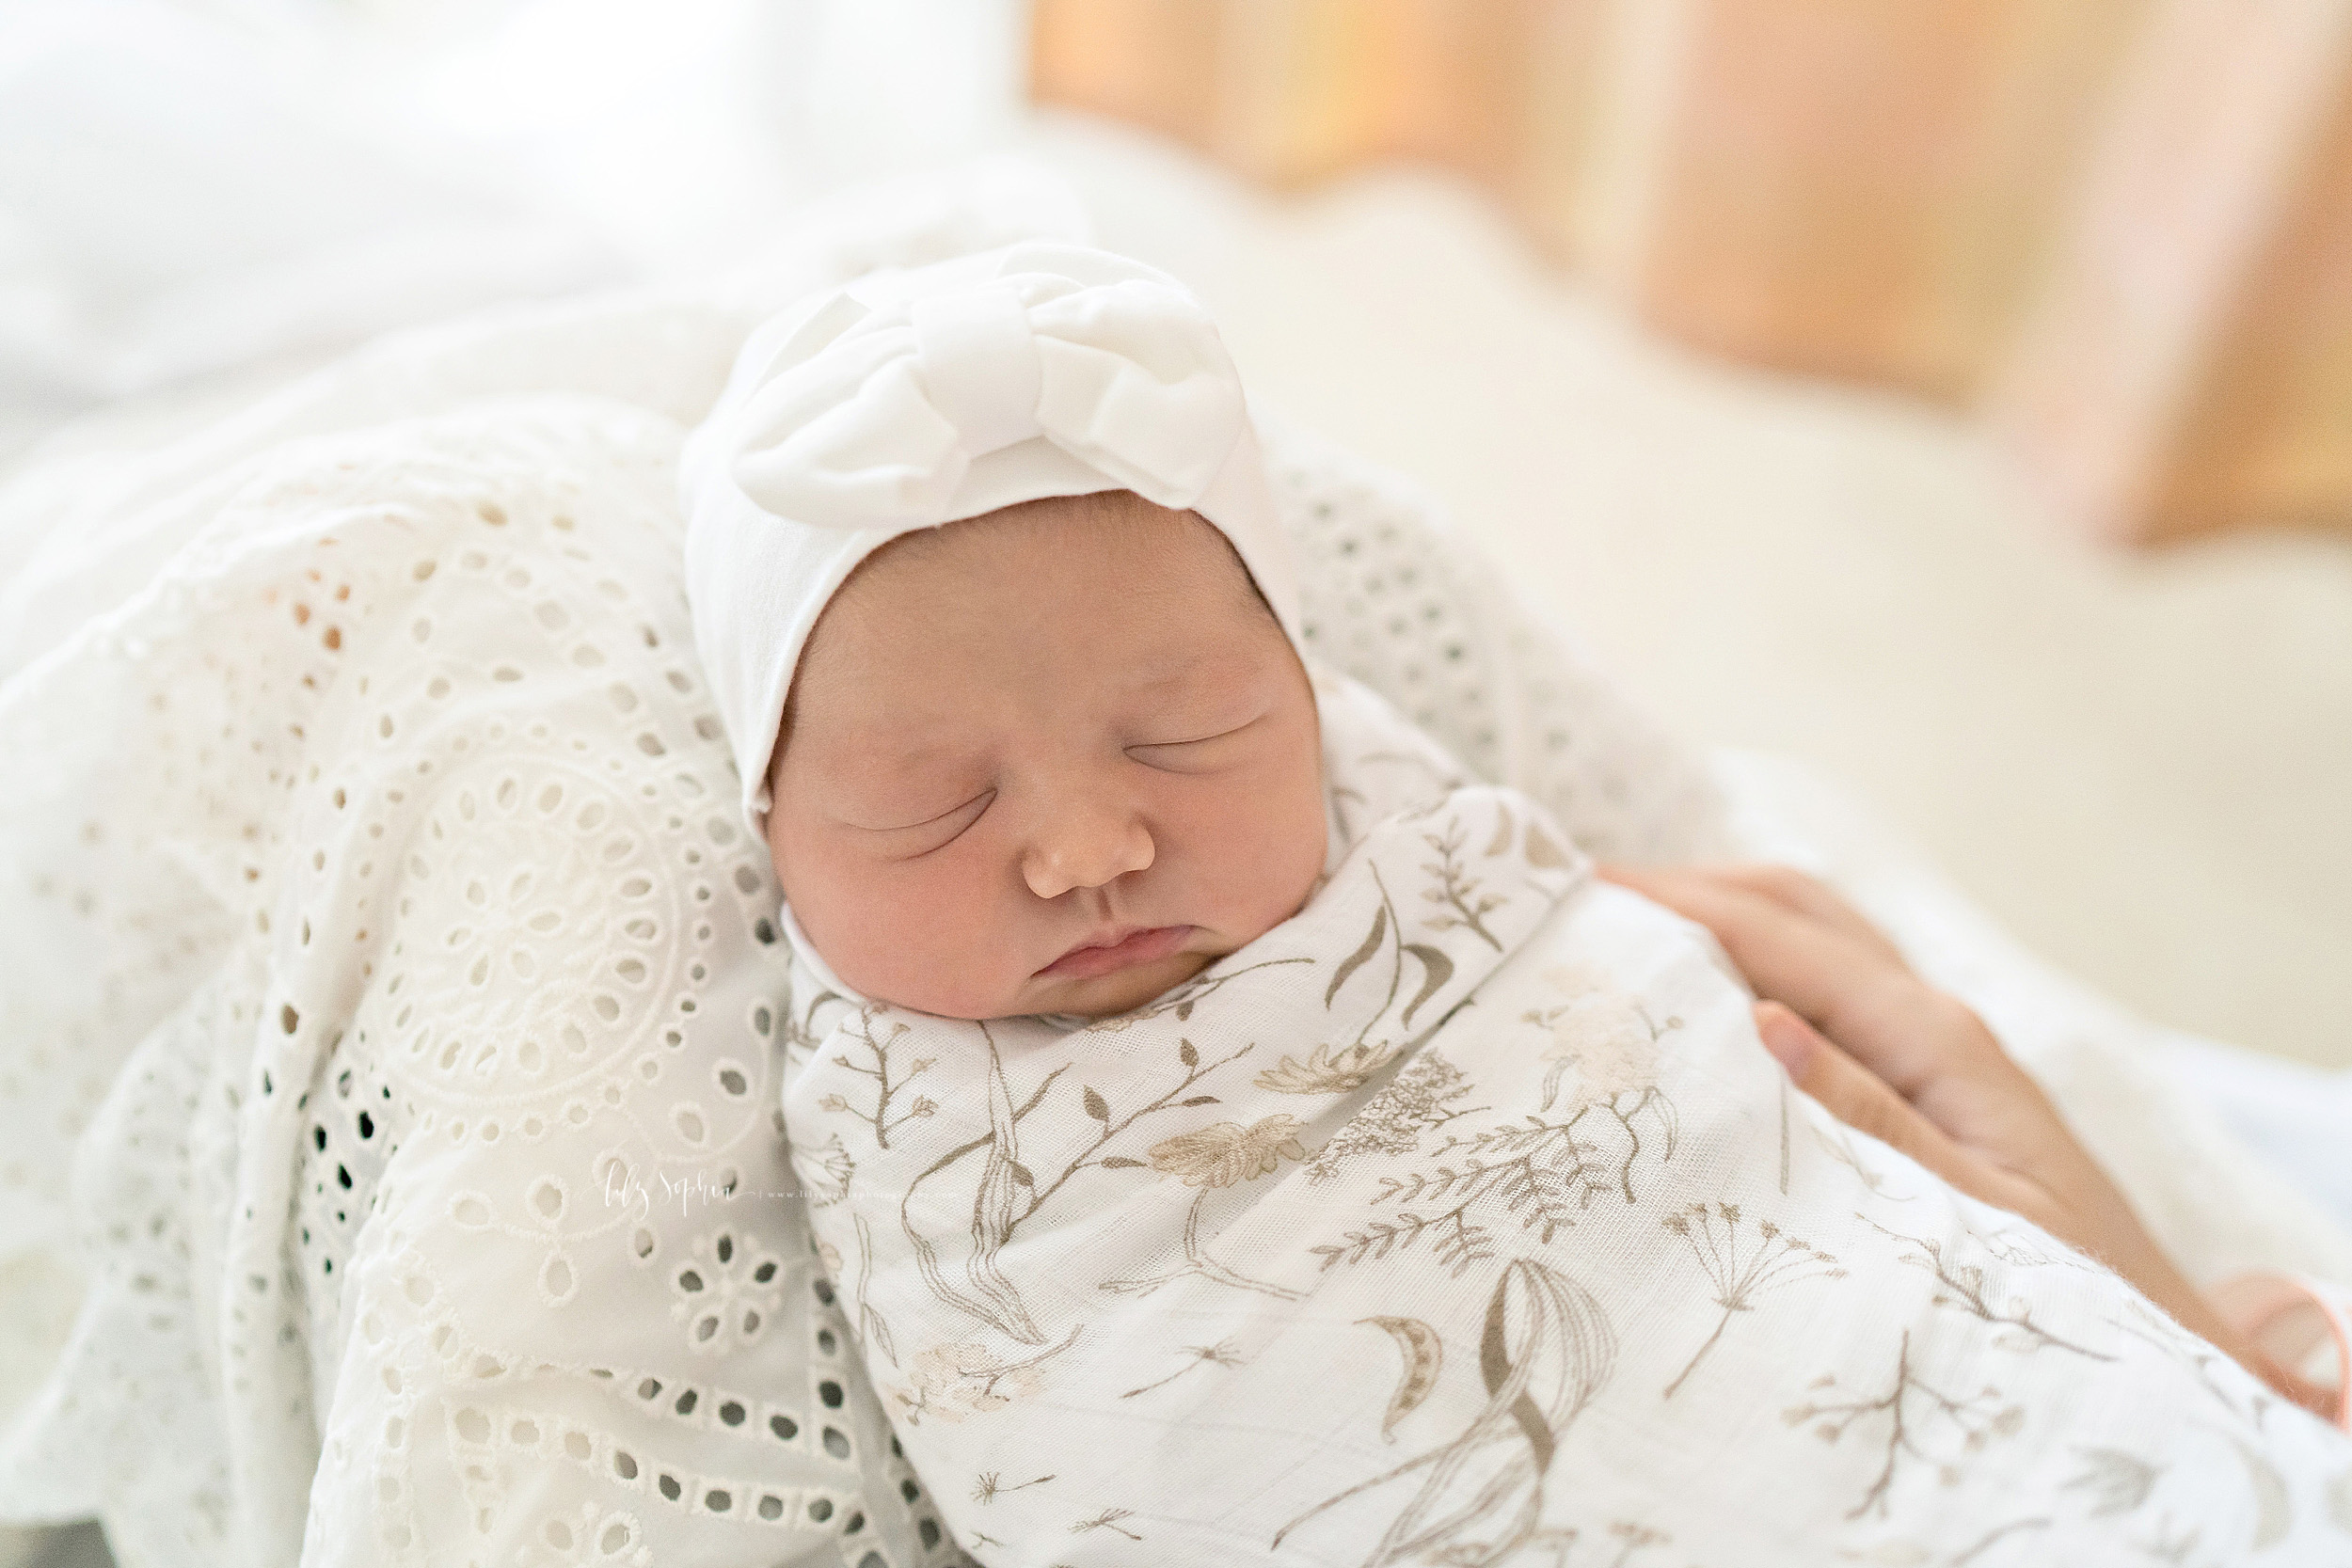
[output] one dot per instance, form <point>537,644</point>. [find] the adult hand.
<point>1887,1054</point>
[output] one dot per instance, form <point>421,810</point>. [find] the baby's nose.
<point>1084,847</point>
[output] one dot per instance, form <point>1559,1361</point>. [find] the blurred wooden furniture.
<point>2123,227</point>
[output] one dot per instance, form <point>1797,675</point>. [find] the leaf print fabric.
<point>1515,1123</point>
<point>1228,1152</point>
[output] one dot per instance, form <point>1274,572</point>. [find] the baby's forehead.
<point>1119,597</point>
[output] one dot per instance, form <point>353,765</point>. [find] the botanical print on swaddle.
<point>1461,1219</point>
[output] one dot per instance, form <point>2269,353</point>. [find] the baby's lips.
<point>1136,946</point>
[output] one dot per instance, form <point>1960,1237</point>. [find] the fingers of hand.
<point>1793,889</point>
<point>1862,1100</point>
<point>1784,885</point>
<point>1854,990</point>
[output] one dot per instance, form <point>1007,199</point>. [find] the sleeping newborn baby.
<point>1235,1135</point>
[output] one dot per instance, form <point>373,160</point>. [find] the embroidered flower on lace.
<point>590,1534</point>
<point>725,1293</point>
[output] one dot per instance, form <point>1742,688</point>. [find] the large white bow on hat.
<point>872,411</point>
<point>914,398</point>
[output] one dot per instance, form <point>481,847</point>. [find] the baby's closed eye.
<point>1203,753</point>
<point>924,834</point>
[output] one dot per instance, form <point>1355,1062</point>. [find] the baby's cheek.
<point>922,938</point>
<point>1264,850</point>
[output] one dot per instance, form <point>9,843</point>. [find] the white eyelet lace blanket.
<point>447,1218</point>
<point>1462,1219</point>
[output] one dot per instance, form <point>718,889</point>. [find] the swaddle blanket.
<point>1461,1219</point>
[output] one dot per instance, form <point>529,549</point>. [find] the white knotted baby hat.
<point>917,397</point>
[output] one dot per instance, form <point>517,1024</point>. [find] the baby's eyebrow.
<point>906,745</point>
<point>1175,668</point>
<point>901,743</point>
<point>895,754</point>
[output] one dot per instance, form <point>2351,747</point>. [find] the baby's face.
<point>1053,760</point>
